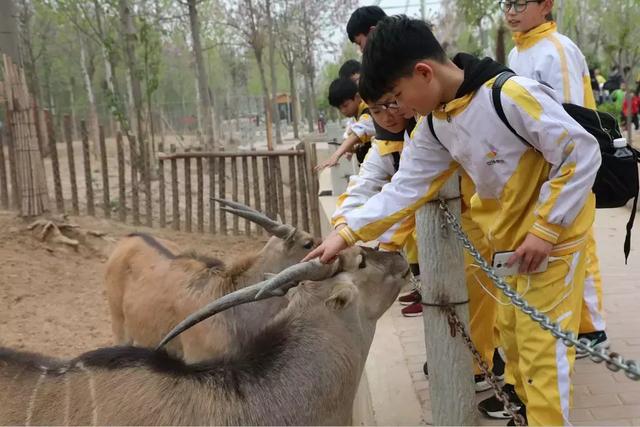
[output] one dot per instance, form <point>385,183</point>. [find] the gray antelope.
<point>151,286</point>
<point>303,368</point>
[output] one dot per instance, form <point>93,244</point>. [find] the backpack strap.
<point>497,103</point>
<point>431,128</point>
<point>634,207</point>
<point>396,160</point>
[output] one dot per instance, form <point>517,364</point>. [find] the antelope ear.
<point>343,294</point>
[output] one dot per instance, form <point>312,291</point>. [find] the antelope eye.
<point>363,262</point>
<point>308,245</point>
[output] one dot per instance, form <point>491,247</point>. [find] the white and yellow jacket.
<point>546,191</point>
<point>549,57</point>
<point>362,126</point>
<point>376,171</point>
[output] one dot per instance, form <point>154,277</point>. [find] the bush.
<point>609,107</point>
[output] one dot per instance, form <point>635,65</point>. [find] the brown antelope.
<point>151,286</point>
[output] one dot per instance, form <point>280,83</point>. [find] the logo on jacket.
<point>491,155</point>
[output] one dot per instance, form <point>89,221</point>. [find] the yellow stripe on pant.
<point>592,318</point>
<point>482,306</point>
<point>540,364</point>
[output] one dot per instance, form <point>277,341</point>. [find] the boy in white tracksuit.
<point>543,54</point>
<point>537,203</point>
<point>381,163</point>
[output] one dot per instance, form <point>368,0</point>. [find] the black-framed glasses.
<point>392,106</point>
<point>517,5</point>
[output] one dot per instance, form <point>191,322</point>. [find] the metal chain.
<point>614,361</point>
<point>493,381</point>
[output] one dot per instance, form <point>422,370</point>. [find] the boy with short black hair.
<point>535,202</point>
<point>343,95</point>
<point>361,22</point>
<point>350,70</point>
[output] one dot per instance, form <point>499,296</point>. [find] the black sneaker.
<point>596,339</point>
<point>493,408</point>
<point>498,365</point>
<point>522,411</point>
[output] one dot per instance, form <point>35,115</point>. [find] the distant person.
<point>631,107</point>
<point>350,70</point>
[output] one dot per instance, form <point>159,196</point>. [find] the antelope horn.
<point>234,205</point>
<point>278,285</point>
<point>283,231</point>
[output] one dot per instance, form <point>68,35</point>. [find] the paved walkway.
<point>601,397</point>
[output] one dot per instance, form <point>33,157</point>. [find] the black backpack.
<point>617,179</point>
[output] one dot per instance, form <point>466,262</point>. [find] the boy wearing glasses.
<point>535,202</point>
<point>543,54</point>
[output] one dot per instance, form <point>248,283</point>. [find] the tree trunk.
<point>267,101</point>
<point>308,106</point>
<point>9,40</point>
<point>72,101</point>
<point>272,70</point>
<point>201,73</point>
<point>129,38</point>
<point>115,104</point>
<point>501,53</point>
<point>294,100</point>
<point>92,115</point>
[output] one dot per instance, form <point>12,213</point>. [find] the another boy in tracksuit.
<point>393,128</point>
<point>543,54</point>
<point>536,202</point>
<point>343,95</point>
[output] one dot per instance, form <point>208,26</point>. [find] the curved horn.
<point>278,285</point>
<point>283,231</point>
<point>276,228</point>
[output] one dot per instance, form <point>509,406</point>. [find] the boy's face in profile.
<point>420,91</point>
<point>525,15</point>
<point>349,107</point>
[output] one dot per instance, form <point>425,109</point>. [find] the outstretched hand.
<point>329,163</point>
<point>332,245</point>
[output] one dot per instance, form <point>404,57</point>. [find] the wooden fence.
<point>173,189</point>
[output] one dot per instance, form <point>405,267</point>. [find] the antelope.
<point>303,368</point>
<point>150,286</point>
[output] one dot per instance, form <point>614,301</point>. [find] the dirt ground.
<point>51,295</point>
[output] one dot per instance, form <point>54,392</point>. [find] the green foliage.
<point>609,107</point>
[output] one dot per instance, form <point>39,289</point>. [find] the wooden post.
<point>212,193</point>
<point>122,205</point>
<point>304,192</point>
<point>200,202</point>
<point>245,188</point>
<point>222,193</point>
<point>256,189</point>
<point>55,164</point>
<point>4,187</point>
<point>293,189</point>
<point>234,191</point>
<point>443,281</point>
<point>133,161</point>
<point>68,132</point>
<point>311,160</point>
<point>175,198</point>
<point>162,190</point>
<point>91,210</point>
<point>13,173</point>
<point>146,161</point>
<point>280,188</point>
<point>187,194</point>
<point>106,200</point>
<point>268,187</point>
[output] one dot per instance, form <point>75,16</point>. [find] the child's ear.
<point>343,294</point>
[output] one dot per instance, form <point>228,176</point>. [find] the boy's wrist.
<point>546,231</point>
<point>348,235</point>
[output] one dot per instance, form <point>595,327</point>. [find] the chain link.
<point>493,381</point>
<point>613,361</point>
